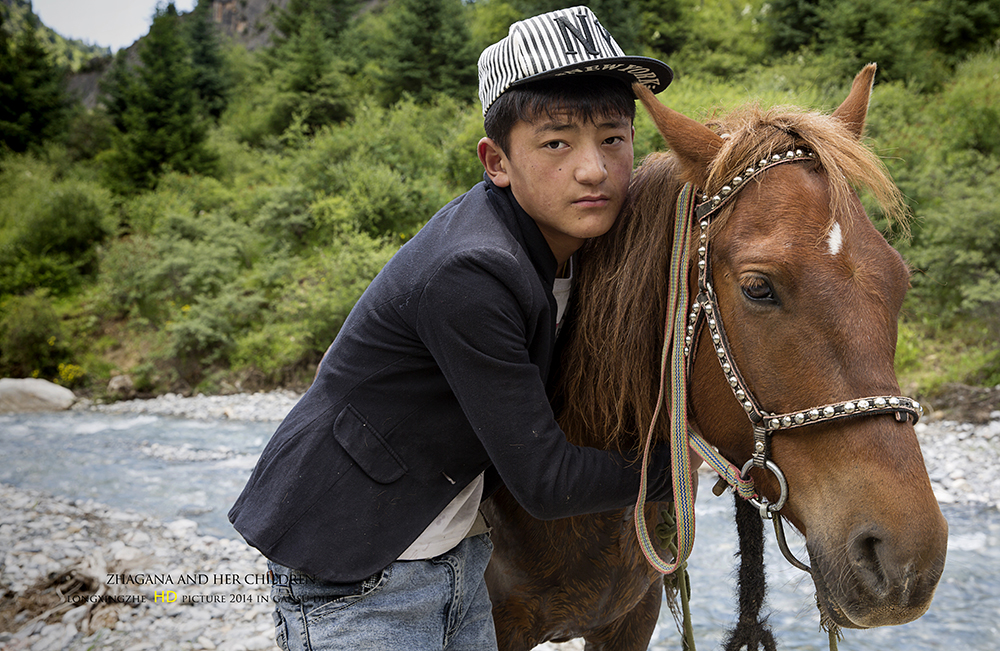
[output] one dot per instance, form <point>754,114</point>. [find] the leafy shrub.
<point>32,343</point>
<point>285,217</point>
<point>969,110</point>
<point>124,283</point>
<point>48,229</point>
<point>73,219</point>
<point>307,313</point>
<point>956,248</point>
<point>275,351</point>
<point>928,358</point>
<point>196,256</point>
<point>377,201</point>
<point>205,331</point>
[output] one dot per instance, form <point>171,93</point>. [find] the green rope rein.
<point>680,459</point>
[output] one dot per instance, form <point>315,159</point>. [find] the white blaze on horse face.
<point>835,240</point>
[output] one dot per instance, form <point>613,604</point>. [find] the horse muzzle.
<point>879,578</point>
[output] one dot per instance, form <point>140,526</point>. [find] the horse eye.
<point>758,289</point>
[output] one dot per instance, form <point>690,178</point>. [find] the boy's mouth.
<point>591,201</point>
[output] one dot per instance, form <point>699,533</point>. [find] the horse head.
<point>810,292</point>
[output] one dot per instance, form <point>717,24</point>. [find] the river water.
<point>171,468</point>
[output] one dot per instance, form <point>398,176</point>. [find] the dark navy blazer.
<point>437,375</point>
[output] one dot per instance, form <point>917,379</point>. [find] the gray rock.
<point>32,394</point>
<point>122,386</point>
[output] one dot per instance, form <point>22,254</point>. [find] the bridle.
<point>705,312</point>
<point>680,343</point>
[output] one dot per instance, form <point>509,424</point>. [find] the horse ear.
<point>854,110</point>
<point>691,140</point>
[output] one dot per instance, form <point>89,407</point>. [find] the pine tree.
<point>210,80</point>
<point>305,73</point>
<point>429,51</point>
<point>160,120</point>
<point>331,16</point>
<point>33,99</point>
<point>117,89</point>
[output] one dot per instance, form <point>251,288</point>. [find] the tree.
<point>428,51</point>
<point>160,121</point>
<point>959,27</point>
<point>794,24</point>
<point>665,26</point>
<point>210,81</point>
<point>33,100</point>
<point>331,16</point>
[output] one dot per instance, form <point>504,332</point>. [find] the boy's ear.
<point>494,162</point>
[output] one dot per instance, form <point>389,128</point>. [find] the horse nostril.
<point>867,553</point>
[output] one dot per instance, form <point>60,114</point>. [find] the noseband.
<point>705,312</point>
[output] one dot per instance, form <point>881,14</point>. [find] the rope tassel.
<point>751,631</point>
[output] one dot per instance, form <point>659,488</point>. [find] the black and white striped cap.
<point>564,42</point>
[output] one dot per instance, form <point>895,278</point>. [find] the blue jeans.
<point>440,603</point>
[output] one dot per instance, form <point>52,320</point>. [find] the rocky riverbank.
<point>78,575</point>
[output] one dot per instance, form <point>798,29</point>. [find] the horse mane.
<point>610,365</point>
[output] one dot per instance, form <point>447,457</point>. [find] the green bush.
<point>307,312</point>
<point>956,248</point>
<point>49,229</point>
<point>124,283</point>
<point>204,333</point>
<point>929,358</point>
<point>32,343</point>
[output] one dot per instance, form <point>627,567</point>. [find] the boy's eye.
<point>555,144</point>
<point>613,140</point>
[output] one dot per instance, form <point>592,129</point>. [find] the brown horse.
<point>810,293</point>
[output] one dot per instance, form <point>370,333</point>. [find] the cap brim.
<point>655,74</point>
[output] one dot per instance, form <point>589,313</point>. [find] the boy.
<point>366,498</point>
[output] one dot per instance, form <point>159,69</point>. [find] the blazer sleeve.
<point>476,316</point>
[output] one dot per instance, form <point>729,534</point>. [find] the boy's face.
<point>570,175</point>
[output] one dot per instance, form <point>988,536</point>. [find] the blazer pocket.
<point>367,447</point>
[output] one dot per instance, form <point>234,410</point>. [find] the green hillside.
<point>209,227</point>
<point>71,54</point>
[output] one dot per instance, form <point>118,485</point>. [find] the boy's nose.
<point>591,169</point>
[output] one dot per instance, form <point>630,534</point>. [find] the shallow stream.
<point>171,468</point>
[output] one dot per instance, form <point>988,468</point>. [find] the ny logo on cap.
<point>582,34</point>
